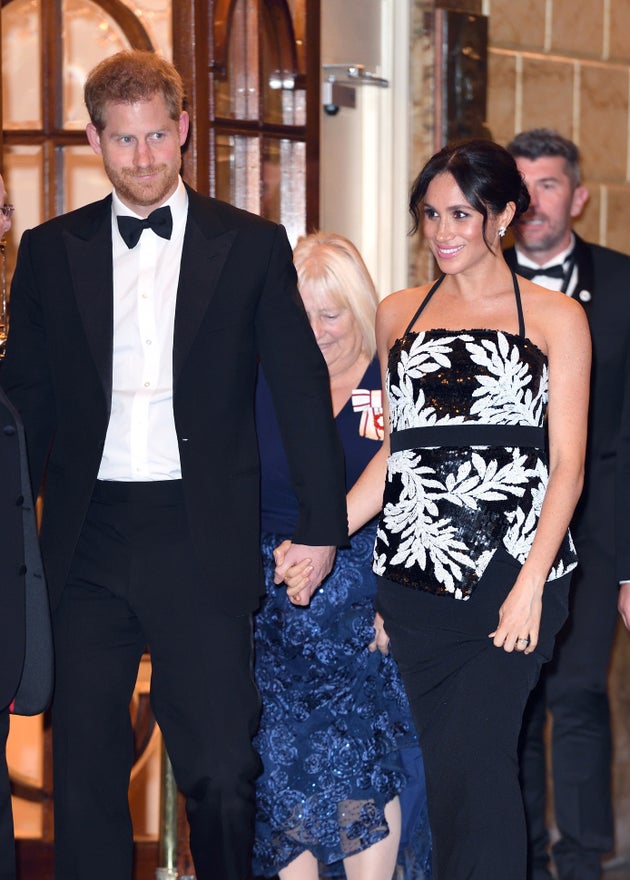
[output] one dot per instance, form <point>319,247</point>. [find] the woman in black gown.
<point>486,379</point>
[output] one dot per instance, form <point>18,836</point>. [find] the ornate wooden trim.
<point>123,16</point>
<point>190,56</point>
<point>313,111</point>
<point>285,46</point>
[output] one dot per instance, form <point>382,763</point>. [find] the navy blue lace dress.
<point>336,737</point>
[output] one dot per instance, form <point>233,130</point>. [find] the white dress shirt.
<point>545,280</point>
<point>141,441</point>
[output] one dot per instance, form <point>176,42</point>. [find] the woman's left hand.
<point>519,619</point>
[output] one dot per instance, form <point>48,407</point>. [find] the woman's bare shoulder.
<point>403,302</point>
<point>397,296</point>
<point>395,312</point>
<point>551,303</point>
<point>552,312</point>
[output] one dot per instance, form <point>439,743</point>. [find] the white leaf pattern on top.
<point>446,509</point>
<point>408,407</point>
<point>505,396</point>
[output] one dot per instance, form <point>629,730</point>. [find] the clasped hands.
<point>302,568</point>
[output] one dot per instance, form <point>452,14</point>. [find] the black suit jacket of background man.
<point>574,685</point>
<point>601,523</point>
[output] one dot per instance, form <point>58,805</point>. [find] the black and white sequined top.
<point>467,469</point>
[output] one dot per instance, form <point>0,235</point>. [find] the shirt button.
<point>9,430</point>
<point>21,569</point>
<point>147,384</point>
<point>19,501</point>
<point>148,341</point>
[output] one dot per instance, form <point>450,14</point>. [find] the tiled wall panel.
<point>618,40</point>
<point>502,109</point>
<point>577,28</point>
<point>547,89</point>
<point>603,122</point>
<point>553,65</point>
<point>523,28</point>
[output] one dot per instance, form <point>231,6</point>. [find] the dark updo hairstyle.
<point>486,174</point>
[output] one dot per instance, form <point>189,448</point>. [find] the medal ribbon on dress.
<point>370,405</point>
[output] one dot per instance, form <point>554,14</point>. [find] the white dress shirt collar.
<point>178,203</point>
<point>562,257</point>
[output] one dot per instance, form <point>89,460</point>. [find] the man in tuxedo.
<point>26,645</point>
<point>137,326</point>
<point>573,686</point>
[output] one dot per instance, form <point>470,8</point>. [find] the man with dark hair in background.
<point>573,687</point>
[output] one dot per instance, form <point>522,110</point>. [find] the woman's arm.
<point>569,355</point>
<point>365,499</point>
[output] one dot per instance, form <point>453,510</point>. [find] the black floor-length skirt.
<point>467,698</point>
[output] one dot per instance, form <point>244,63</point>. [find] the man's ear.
<point>93,137</point>
<point>182,126</point>
<point>580,198</point>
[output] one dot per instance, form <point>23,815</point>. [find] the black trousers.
<point>7,845</point>
<point>573,687</point>
<point>135,583</point>
<point>467,698</point>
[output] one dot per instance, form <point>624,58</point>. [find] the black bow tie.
<point>160,221</point>
<point>556,271</point>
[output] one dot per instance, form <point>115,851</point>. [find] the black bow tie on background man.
<point>528,272</point>
<point>160,221</point>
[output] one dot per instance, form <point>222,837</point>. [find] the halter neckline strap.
<point>517,296</point>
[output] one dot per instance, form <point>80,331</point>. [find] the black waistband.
<point>155,491</point>
<point>468,435</point>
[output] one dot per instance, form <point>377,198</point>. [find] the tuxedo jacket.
<point>601,524</point>
<point>237,304</point>
<point>25,645</point>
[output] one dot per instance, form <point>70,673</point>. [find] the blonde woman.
<point>334,717</point>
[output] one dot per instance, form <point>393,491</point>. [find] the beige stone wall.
<point>564,65</point>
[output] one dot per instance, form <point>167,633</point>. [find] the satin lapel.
<point>90,260</point>
<point>585,288</point>
<point>203,258</point>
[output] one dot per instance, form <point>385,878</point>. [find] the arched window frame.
<point>207,25</point>
<point>52,135</point>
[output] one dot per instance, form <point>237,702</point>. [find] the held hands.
<point>302,568</point>
<point>381,639</point>
<point>519,619</point>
